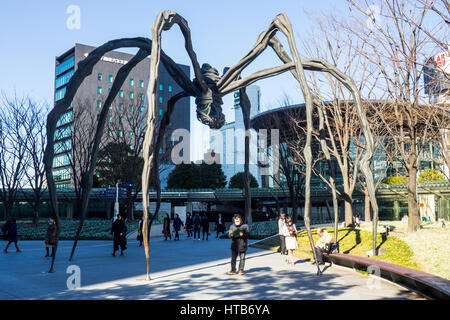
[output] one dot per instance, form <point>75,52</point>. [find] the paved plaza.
<point>184,269</point>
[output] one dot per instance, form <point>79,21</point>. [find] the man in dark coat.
<point>197,222</point>
<point>220,225</point>
<point>239,233</point>
<point>166,227</point>
<point>188,224</point>
<point>205,226</point>
<point>119,230</point>
<point>177,224</point>
<point>50,237</point>
<point>11,234</point>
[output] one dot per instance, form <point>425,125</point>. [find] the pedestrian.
<point>291,239</point>
<point>320,246</point>
<point>166,227</point>
<point>140,236</point>
<point>177,224</point>
<point>220,225</point>
<point>50,237</point>
<point>357,221</point>
<point>281,224</point>
<point>239,233</point>
<point>188,224</point>
<point>10,228</point>
<point>197,222</point>
<point>205,226</point>
<point>119,230</point>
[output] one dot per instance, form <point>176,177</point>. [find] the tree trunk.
<point>245,107</point>
<point>348,213</point>
<point>367,209</point>
<point>413,212</point>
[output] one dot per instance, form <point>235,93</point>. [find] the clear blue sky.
<point>32,33</point>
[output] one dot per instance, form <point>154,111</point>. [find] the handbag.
<point>332,248</point>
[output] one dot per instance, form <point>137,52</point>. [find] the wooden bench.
<point>427,284</point>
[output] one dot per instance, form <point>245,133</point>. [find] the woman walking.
<point>50,237</point>
<point>10,228</point>
<point>177,224</point>
<point>119,229</point>
<point>197,222</point>
<point>291,239</point>
<point>166,227</point>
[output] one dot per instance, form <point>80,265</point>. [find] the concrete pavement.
<point>184,269</point>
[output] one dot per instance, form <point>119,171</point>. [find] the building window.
<point>99,104</point>
<point>120,120</point>
<point>142,108</point>
<point>64,79</point>
<point>170,88</point>
<point>130,134</point>
<point>121,93</point>
<point>110,78</point>
<point>131,95</point>
<point>130,108</point>
<point>109,118</point>
<point>160,112</point>
<point>161,88</point>
<point>65,65</point>
<point>109,90</point>
<point>160,99</point>
<point>120,132</point>
<point>59,94</point>
<point>121,106</point>
<point>130,120</point>
<point>131,82</point>
<point>141,83</point>
<point>141,96</point>
<point>99,90</point>
<point>100,77</point>
<point>109,133</point>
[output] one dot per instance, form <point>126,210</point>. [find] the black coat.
<point>119,227</point>
<point>239,243</point>
<point>197,221</point>
<point>50,236</point>
<point>220,227</point>
<point>177,223</point>
<point>166,224</point>
<point>189,222</point>
<point>205,223</point>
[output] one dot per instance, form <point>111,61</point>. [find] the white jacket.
<point>282,227</point>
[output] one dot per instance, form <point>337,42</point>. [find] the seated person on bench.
<point>320,247</point>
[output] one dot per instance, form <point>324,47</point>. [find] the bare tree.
<point>35,171</point>
<point>396,43</point>
<point>14,138</point>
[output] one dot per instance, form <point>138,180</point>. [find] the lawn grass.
<point>355,242</point>
<point>92,229</point>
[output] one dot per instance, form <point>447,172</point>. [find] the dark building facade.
<point>94,91</point>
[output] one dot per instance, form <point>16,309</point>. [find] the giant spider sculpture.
<point>208,88</point>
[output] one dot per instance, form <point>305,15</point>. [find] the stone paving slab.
<point>185,269</point>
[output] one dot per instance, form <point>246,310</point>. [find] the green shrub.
<point>397,179</point>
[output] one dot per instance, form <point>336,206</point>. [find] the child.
<point>291,239</point>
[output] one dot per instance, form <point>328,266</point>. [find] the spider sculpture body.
<point>208,88</point>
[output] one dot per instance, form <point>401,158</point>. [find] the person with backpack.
<point>239,233</point>
<point>10,228</point>
<point>50,237</point>
<point>197,222</point>
<point>177,224</point>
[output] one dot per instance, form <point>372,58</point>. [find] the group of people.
<point>287,232</point>
<point>195,226</point>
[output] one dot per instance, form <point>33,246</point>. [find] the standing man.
<point>205,226</point>
<point>119,229</point>
<point>197,222</point>
<point>239,233</point>
<point>220,225</point>
<point>50,237</point>
<point>188,224</point>
<point>281,232</point>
